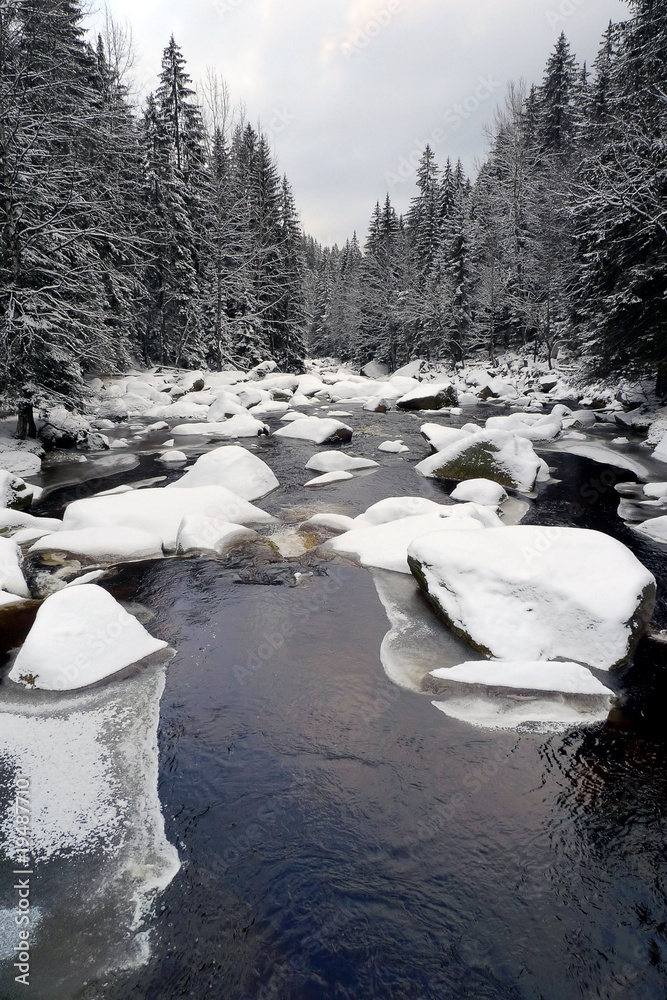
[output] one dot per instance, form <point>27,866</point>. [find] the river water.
<point>269,815</point>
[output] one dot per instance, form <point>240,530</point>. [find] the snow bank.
<point>534,593</point>
<point>20,463</point>
<point>80,636</point>
<point>233,467</point>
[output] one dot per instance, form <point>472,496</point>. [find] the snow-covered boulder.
<point>393,447</point>
<point>655,529</point>
<point>99,545</point>
<point>173,457</point>
<point>20,463</point>
<point>482,491</point>
<point>15,520</point>
<point>440,437</point>
<point>329,478</point>
<point>198,533</point>
<point>62,429</point>
<point>429,396</point>
<point>11,575</point>
<point>319,430</point>
<point>338,461</point>
<point>655,490</point>
<point>233,467</point>
<point>337,523</point>
<point>501,456</point>
<point>162,510</point>
<point>506,695</point>
<point>397,508</point>
<point>80,636</point>
<point>225,405</point>
<point>529,425</point>
<point>15,492</point>
<point>385,546</point>
<point>239,426</point>
<point>536,593</point>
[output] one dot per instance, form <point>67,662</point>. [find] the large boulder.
<point>62,429</point>
<point>161,511</point>
<point>80,636</point>
<point>535,593</point>
<point>233,467</point>
<point>501,456</point>
<point>16,493</point>
<point>430,396</point>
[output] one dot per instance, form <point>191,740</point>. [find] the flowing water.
<point>326,833</point>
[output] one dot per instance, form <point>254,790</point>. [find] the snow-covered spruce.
<point>538,593</point>
<point>80,636</point>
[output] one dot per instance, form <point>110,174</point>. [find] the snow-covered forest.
<point>165,234</point>
<point>560,241</point>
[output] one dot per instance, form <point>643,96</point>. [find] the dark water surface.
<point>341,839</point>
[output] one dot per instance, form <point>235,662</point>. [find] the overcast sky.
<point>350,91</point>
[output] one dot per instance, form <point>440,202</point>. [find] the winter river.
<point>269,814</point>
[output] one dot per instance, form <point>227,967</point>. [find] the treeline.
<point>560,240</point>
<point>124,238</point>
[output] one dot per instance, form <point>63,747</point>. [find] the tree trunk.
<point>26,426</point>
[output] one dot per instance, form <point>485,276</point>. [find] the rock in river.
<point>535,593</point>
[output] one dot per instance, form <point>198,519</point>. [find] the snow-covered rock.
<point>385,546</point>
<point>226,405</point>
<point>481,491</point>
<point>328,478</point>
<point>15,492</point>
<point>80,636</point>
<point>99,545</point>
<point>655,490</point>
<point>440,437</point>
<point>319,430</point>
<point>20,463</point>
<point>605,456</point>
<point>393,447</point>
<point>524,592</point>
<point>429,396</point>
<point>11,574</point>
<point>199,533</point>
<point>233,467</point>
<point>655,529</point>
<point>528,425</point>
<point>173,457</point>
<point>501,456</point>
<point>536,675</point>
<point>337,523</point>
<point>162,510</point>
<point>397,508</point>
<point>62,429</point>
<point>14,520</point>
<point>239,426</point>
<point>338,461</point>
